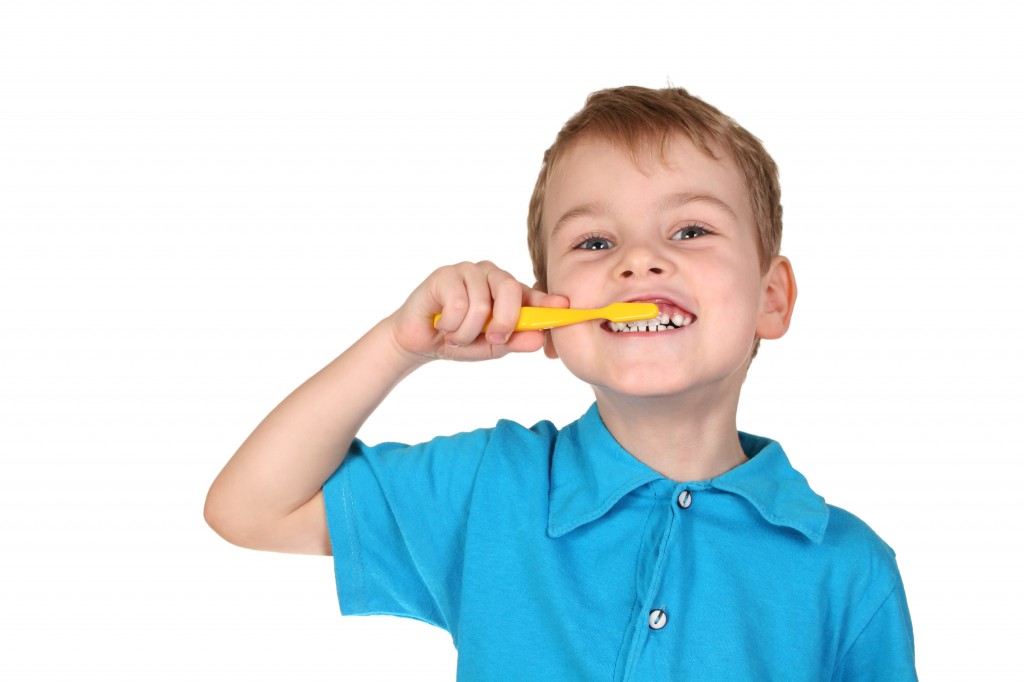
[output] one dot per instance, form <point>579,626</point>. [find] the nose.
<point>642,260</point>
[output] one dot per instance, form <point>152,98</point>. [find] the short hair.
<point>642,119</point>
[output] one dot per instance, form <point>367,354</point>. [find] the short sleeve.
<point>884,650</point>
<point>397,517</point>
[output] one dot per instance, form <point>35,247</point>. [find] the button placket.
<point>655,550</point>
<point>658,618</point>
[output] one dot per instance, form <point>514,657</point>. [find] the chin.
<point>639,384</point>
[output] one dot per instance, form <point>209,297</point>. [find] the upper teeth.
<point>660,323</point>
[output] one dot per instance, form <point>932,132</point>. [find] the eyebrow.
<point>682,198</point>
<point>583,211</point>
<point>670,202</point>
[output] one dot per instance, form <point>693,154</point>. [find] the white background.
<point>202,203</point>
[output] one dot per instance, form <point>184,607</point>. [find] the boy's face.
<point>681,234</point>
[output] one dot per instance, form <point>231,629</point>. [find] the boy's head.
<point>653,195</point>
<point>642,121</point>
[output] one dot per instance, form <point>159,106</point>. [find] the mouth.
<point>670,317</point>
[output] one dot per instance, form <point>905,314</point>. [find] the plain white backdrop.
<point>202,203</point>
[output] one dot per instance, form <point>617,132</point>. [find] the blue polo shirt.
<point>555,555</point>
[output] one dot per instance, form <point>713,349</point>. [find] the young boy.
<point>649,539</point>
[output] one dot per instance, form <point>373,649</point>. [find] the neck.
<point>682,439</point>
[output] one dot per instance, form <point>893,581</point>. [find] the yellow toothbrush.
<point>546,318</point>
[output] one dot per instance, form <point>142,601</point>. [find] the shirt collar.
<point>591,472</point>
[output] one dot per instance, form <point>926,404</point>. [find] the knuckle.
<point>444,277</point>
<point>458,305</point>
<point>443,271</point>
<point>510,286</point>
<point>479,309</point>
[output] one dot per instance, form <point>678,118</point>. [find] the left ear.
<point>778,296</point>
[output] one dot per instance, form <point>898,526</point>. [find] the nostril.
<point>627,273</point>
<point>656,271</point>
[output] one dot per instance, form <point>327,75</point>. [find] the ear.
<point>549,345</point>
<point>778,296</point>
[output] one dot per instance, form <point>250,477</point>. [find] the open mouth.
<point>669,317</point>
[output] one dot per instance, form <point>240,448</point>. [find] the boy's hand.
<point>469,296</point>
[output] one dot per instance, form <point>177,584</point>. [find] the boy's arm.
<point>268,496</point>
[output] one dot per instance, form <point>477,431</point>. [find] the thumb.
<point>554,301</point>
<point>537,298</point>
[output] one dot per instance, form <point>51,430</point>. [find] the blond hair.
<point>641,119</point>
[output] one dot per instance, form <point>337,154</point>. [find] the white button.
<point>658,619</point>
<point>685,498</point>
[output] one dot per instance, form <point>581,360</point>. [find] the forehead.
<point>597,172</point>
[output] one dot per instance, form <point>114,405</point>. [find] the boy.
<point>649,539</point>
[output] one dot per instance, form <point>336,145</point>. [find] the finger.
<point>448,290</point>
<point>524,342</point>
<point>506,293</point>
<point>481,349</point>
<point>478,306</point>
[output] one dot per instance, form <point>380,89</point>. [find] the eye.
<point>593,242</point>
<point>690,232</point>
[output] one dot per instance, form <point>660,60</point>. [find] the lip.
<point>666,303</point>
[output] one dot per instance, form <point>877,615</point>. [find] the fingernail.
<point>495,337</point>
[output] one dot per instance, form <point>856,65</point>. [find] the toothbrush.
<point>546,318</point>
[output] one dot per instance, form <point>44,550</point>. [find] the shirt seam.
<point>355,555</point>
<point>345,546</point>
<point>849,647</point>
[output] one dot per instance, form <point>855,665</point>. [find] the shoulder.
<point>857,551</point>
<point>877,641</point>
<point>540,435</point>
<point>504,433</point>
<point>847,531</point>
<point>464,451</point>
<point>513,446</point>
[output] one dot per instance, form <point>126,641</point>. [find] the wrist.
<point>405,360</point>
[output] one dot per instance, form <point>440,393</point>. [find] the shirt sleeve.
<point>884,650</point>
<point>397,517</point>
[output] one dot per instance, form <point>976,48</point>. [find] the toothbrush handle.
<point>544,318</point>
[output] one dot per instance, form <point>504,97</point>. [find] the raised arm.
<point>268,496</point>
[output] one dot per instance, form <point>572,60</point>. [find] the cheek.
<point>562,338</point>
<point>574,349</point>
<point>552,275</point>
<point>572,285</point>
<point>735,272</point>
<point>732,290</point>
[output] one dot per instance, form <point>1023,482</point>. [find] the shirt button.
<point>685,498</point>
<point>657,619</point>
